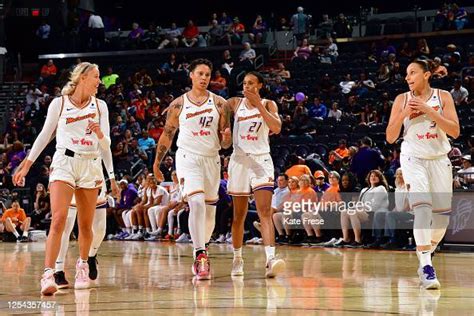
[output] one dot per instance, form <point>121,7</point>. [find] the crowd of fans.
<point>321,155</point>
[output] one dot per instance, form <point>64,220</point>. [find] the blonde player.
<point>203,130</point>
<point>428,116</point>
<point>251,169</point>
<point>81,125</point>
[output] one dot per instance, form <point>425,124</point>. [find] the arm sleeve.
<point>46,133</point>
<point>104,126</point>
<point>108,162</point>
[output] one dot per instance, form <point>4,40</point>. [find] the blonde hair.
<point>76,73</point>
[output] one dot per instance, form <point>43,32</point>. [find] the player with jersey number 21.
<point>428,116</point>
<point>203,121</point>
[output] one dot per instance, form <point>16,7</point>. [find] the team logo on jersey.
<point>82,142</point>
<point>245,118</point>
<point>427,136</point>
<point>249,137</point>
<point>415,115</point>
<point>70,120</point>
<point>70,109</point>
<point>191,115</point>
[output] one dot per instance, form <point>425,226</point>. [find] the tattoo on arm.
<point>166,139</point>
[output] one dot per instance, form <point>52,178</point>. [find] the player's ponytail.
<point>76,73</point>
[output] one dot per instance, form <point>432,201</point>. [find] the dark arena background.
<point>334,70</point>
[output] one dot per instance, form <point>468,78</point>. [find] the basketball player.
<point>251,169</point>
<point>82,126</point>
<point>428,116</point>
<point>99,227</point>
<point>203,121</point>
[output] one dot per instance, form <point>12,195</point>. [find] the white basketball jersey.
<point>72,132</point>
<point>175,193</point>
<point>250,131</point>
<point>199,127</point>
<point>422,137</point>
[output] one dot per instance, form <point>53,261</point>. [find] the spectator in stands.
<point>225,20</point>
<point>422,49</point>
<point>167,168</point>
<point>190,34</point>
<point>303,51</point>
<point>151,38</point>
<point>460,16</point>
<point>218,84</point>
<point>293,196</point>
<point>110,78</point>
<point>342,27</point>
<point>335,112</point>
<point>366,159</point>
<point>347,84</point>
<point>43,35</point>
<point>97,31</point>
<point>135,36</point>
<point>235,32</point>
<point>325,27</point>
<point>247,57</point>
<point>364,85</point>
<point>227,62</point>
<point>171,37</point>
<point>378,189</point>
<point>156,129</point>
<point>282,71</point>
<point>441,18</point>
<point>320,182</point>
<point>146,143</point>
<point>16,222</point>
<point>406,51</point>
<point>215,34</point>
<point>300,23</point>
<point>297,168</point>
<point>332,50</point>
<point>28,133</point>
<point>15,156</point>
<point>339,153</point>
<point>48,73</point>
<point>143,79</point>
<point>439,71</point>
<point>459,93</point>
<point>318,109</point>
<point>41,205</point>
<point>258,30</point>
<point>280,193</point>
<point>283,24</point>
<point>465,176</point>
<point>128,196</point>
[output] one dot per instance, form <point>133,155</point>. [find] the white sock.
<point>152,218</point>
<point>170,222</point>
<point>128,230</point>
<point>197,221</point>
<point>124,229</point>
<point>82,260</point>
<point>25,234</point>
<point>270,252</point>
<point>48,271</point>
<point>148,230</point>
<point>16,233</point>
<point>424,257</point>
<point>439,225</point>
<point>71,218</point>
<point>210,221</point>
<point>159,230</point>
<point>99,226</point>
<point>238,253</point>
